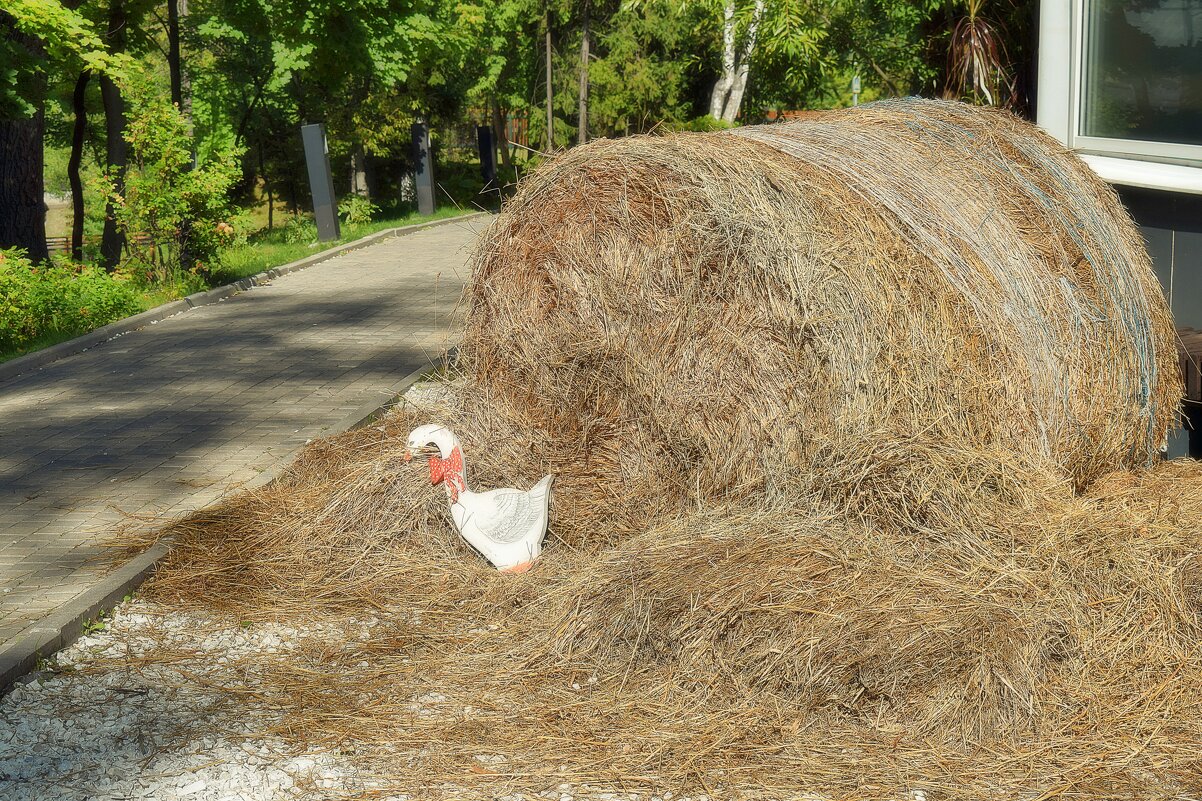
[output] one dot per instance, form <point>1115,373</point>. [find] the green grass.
<point>269,249</point>
<point>263,251</point>
<point>44,341</point>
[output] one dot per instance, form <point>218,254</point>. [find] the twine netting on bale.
<point>719,313</point>
<point>852,433</point>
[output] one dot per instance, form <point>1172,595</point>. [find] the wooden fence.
<point>62,244</point>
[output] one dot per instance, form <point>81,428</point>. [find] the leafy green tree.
<point>64,36</point>
<point>886,42</point>
<point>507,63</point>
<point>640,75</point>
<point>799,52</point>
<point>181,207</point>
<point>367,68</point>
<point>36,37</point>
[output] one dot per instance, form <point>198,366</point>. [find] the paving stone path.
<point>168,418</point>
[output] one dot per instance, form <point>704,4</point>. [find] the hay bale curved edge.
<point>718,314</point>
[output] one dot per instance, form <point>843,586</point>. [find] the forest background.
<point>151,148</point>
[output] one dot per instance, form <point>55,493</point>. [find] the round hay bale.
<point>725,313</point>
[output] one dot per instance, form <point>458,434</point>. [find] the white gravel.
<point>130,731</point>
<point>99,724</point>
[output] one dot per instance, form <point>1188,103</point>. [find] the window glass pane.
<point>1143,70</point>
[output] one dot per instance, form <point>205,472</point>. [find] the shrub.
<point>299,231</point>
<point>184,208</point>
<point>59,298</point>
<point>356,210</point>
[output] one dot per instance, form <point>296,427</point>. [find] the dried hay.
<point>1047,645</point>
<point>881,540</point>
<point>717,314</point>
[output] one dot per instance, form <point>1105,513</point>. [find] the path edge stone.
<point>66,624</point>
<point>40,358</point>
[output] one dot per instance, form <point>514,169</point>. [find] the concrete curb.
<point>43,357</point>
<point>66,624</point>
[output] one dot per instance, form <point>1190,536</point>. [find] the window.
<point>1139,78</point>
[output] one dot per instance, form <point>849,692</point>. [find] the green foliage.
<point>809,51</point>
<point>65,37</point>
<point>55,169</point>
<point>183,208</point>
<point>95,625</point>
<point>268,249</point>
<point>356,210</point>
<point>299,231</point>
<point>704,124</point>
<point>502,73</point>
<point>641,76</point>
<point>60,298</point>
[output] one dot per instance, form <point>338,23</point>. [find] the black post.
<point>488,155</point>
<point>1193,424</point>
<point>423,168</point>
<point>321,181</point>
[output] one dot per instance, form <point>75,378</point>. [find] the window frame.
<point>1151,150</point>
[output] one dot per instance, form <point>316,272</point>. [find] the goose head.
<point>448,465</point>
<point>428,439</point>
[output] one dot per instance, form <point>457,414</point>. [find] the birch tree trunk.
<point>722,87</point>
<point>735,100</point>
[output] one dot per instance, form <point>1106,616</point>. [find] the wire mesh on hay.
<point>834,506</point>
<point>737,302</point>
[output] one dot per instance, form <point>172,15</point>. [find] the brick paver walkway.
<point>166,419</point>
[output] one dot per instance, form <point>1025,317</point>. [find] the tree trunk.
<point>550,115</point>
<point>500,135</point>
<point>582,127</point>
<point>78,131</point>
<point>267,188</point>
<point>359,172</point>
<point>181,98</point>
<point>181,83</point>
<point>174,67</point>
<point>22,187</point>
<point>116,155</point>
<point>185,80</point>
<point>735,101</point>
<point>22,192</point>
<point>722,87</point>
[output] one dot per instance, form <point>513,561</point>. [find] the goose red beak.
<point>408,455</point>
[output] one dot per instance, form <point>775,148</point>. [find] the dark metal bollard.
<point>321,181</point>
<point>423,168</point>
<point>488,155</point>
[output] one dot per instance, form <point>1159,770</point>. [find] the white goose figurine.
<point>506,525</point>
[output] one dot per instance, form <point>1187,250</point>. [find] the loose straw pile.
<point>854,422</point>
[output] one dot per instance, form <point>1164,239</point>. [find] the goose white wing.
<point>505,515</point>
